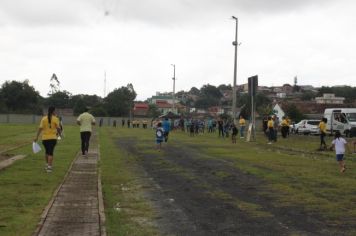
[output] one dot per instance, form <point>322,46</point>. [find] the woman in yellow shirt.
<point>50,129</point>
<point>322,127</point>
<point>242,124</point>
<point>270,128</point>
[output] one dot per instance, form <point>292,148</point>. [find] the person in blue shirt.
<point>166,128</point>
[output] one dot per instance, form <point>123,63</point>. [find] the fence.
<point>67,120</point>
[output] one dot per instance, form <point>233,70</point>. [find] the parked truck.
<point>341,119</point>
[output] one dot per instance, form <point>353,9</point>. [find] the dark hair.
<point>51,109</point>
<point>159,124</point>
<point>324,120</point>
<point>337,134</point>
<point>86,109</point>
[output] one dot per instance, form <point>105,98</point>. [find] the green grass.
<point>295,175</point>
<point>309,180</point>
<point>127,212</point>
<point>25,188</point>
<point>12,135</point>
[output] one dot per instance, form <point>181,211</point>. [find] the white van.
<point>341,119</point>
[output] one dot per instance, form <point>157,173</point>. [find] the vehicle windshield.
<point>313,122</point>
<point>351,117</point>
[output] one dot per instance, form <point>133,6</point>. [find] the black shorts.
<point>49,145</point>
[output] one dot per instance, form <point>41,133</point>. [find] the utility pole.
<point>174,87</point>
<point>104,84</point>
<point>236,44</point>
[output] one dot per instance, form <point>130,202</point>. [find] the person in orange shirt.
<point>51,130</point>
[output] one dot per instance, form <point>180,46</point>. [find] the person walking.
<point>86,121</point>
<point>284,127</point>
<point>242,123</point>
<point>166,128</point>
<point>234,133</point>
<point>270,130</point>
<point>221,127</point>
<point>50,129</point>
<point>322,128</point>
<point>339,144</point>
<point>159,136</point>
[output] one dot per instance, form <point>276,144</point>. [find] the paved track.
<point>77,208</point>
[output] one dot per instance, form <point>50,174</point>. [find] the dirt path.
<point>197,194</point>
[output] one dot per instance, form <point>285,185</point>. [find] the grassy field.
<point>295,173</point>
<point>25,188</point>
<point>125,207</point>
<point>13,135</point>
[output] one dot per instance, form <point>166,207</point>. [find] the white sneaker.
<point>49,169</point>
<point>269,143</point>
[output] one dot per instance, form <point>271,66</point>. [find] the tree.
<point>210,91</point>
<point>292,111</point>
<point>308,96</point>
<point>153,111</point>
<point>54,84</point>
<point>223,87</point>
<point>120,101</point>
<point>263,103</point>
<point>19,97</point>
<point>79,102</point>
<point>60,99</point>
<point>194,91</point>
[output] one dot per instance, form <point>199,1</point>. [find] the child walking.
<point>159,136</point>
<point>339,144</point>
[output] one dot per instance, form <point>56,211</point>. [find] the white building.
<point>329,98</point>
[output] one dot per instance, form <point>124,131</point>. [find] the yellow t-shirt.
<point>284,122</point>
<point>270,124</point>
<point>322,127</point>
<point>49,131</point>
<point>86,119</point>
<point>242,122</point>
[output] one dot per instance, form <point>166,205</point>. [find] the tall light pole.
<point>174,86</point>
<point>236,44</point>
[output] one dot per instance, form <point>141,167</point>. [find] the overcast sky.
<point>136,41</point>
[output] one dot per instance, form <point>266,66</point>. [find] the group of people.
<point>51,130</point>
<point>339,144</point>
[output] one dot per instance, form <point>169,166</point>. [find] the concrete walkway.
<point>77,206</point>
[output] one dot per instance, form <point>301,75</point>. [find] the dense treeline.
<point>21,97</point>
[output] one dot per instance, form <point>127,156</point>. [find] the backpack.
<point>159,133</point>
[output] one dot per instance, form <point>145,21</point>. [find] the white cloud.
<point>138,40</point>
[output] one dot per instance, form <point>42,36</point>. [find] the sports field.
<point>202,185</point>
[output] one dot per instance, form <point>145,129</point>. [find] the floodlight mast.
<point>236,44</point>
<point>174,86</point>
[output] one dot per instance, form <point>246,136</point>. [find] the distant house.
<point>164,107</point>
<point>329,98</point>
<point>287,89</point>
<point>216,110</point>
<point>140,109</point>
